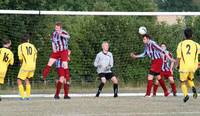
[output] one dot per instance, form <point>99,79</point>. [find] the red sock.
<point>67,74</point>
<point>58,87</point>
<point>162,84</point>
<point>66,89</point>
<point>149,86</point>
<point>173,86</point>
<point>46,71</point>
<point>155,88</point>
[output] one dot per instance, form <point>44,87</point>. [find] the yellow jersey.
<point>187,52</point>
<point>27,54</point>
<point>6,59</point>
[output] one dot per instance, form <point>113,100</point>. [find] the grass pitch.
<point>102,106</point>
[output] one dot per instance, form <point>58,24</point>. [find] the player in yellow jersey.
<point>6,59</point>
<point>187,55</point>
<point>27,55</point>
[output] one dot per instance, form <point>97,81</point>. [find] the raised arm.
<point>65,35</point>
<point>142,55</point>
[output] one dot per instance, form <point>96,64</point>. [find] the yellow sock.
<point>21,91</point>
<point>184,89</point>
<point>28,90</point>
<point>190,83</point>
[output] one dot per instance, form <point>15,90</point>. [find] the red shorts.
<point>166,74</point>
<point>156,65</point>
<point>62,72</point>
<point>60,54</point>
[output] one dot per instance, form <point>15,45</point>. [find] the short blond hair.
<point>104,42</point>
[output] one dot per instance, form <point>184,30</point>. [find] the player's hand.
<point>199,65</point>
<point>133,55</point>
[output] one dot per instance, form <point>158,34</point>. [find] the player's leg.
<point>58,87</point>
<point>28,89</point>
<point>66,84</point>
<point>183,79</point>
<point>191,85</point>
<point>115,85</point>
<point>1,81</point>
<point>102,83</point>
<point>64,59</point>
<point>20,78</point>
<point>21,88</point>
<point>149,85</point>
<point>162,84</point>
<point>155,87</point>
<point>48,67</point>
<point>2,76</point>
<point>173,85</point>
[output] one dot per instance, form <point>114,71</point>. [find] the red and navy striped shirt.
<point>166,61</point>
<point>152,50</point>
<point>59,43</point>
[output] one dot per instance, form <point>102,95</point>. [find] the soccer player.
<point>153,51</point>
<point>59,40</point>
<point>167,71</point>
<point>6,59</point>
<point>64,78</point>
<point>104,63</point>
<point>187,56</point>
<point>27,56</point>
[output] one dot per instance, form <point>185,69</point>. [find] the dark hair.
<point>59,24</point>
<point>163,44</point>
<point>6,41</point>
<point>25,38</point>
<point>147,36</point>
<point>188,33</point>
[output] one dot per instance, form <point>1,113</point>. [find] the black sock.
<point>100,88</point>
<point>115,88</point>
<point>194,90</point>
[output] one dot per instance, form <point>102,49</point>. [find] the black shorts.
<point>108,76</point>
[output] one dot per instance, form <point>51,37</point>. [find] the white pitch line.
<point>88,95</point>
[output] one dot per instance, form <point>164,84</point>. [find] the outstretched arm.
<point>142,55</point>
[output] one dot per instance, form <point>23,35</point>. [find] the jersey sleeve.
<point>20,52</point>
<point>198,46</point>
<point>178,51</point>
<point>11,59</point>
<point>96,60</point>
<point>111,60</point>
<point>142,55</point>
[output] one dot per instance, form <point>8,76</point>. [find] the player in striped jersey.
<point>64,78</point>
<point>27,55</point>
<point>187,56</point>
<point>6,59</point>
<point>59,39</point>
<point>167,71</point>
<point>153,51</point>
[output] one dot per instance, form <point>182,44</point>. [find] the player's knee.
<point>19,82</point>
<point>171,80</point>
<point>103,80</point>
<point>68,82</point>
<point>62,79</point>
<point>65,65</point>
<point>114,80</point>
<point>51,61</point>
<point>156,82</point>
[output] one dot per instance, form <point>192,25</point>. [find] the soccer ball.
<point>142,30</point>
